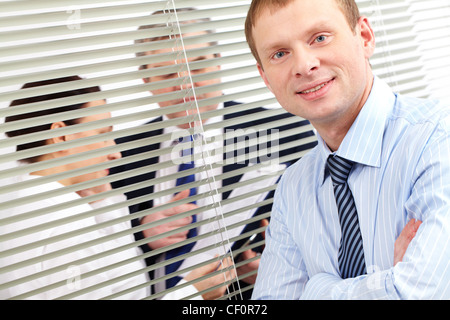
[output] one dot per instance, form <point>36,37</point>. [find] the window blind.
<point>397,58</point>
<point>98,42</point>
<point>50,242</point>
<point>433,34</point>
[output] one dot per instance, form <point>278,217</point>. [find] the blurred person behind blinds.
<point>73,274</point>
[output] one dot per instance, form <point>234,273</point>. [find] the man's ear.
<point>146,80</point>
<point>263,75</point>
<point>367,36</point>
<point>58,139</point>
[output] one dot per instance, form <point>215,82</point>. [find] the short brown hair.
<point>348,7</point>
<point>161,25</point>
<point>39,113</point>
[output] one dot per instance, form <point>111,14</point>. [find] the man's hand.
<point>249,254</point>
<point>170,225</point>
<point>401,244</point>
<point>212,281</point>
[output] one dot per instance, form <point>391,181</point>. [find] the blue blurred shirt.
<point>401,147</point>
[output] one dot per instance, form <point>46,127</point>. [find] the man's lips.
<point>314,87</point>
<point>316,90</point>
<point>188,99</point>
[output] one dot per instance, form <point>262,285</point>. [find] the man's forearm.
<point>375,286</point>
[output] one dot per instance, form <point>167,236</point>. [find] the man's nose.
<point>305,62</point>
<point>115,155</point>
<point>185,81</point>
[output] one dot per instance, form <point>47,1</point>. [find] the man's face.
<point>186,85</point>
<point>313,61</point>
<point>90,147</point>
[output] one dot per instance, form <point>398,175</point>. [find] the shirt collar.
<point>174,130</point>
<point>364,141</point>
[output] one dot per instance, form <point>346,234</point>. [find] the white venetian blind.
<point>397,58</point>
<point>431,25</point>
<point>96,40</point>
<point>61,246</point>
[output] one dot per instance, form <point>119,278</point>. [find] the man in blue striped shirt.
<point>314,56</point>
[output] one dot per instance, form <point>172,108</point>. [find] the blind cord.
<point>199,124</point>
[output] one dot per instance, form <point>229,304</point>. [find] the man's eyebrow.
<point>272,47</point>
<point>317,27</point>
<point>320,26</point>
<point>200,58</point>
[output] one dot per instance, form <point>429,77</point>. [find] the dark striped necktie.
<point>351,252</point>
<point>192,232</point>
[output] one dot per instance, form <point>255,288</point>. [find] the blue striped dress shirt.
<point>401,147</point>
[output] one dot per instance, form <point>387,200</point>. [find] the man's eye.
<point>279,55</point>
<point>321,38</point>
<point>170,75</point>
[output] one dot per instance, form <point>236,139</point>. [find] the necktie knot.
<point>188,148</point>
<point>339,169</point>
